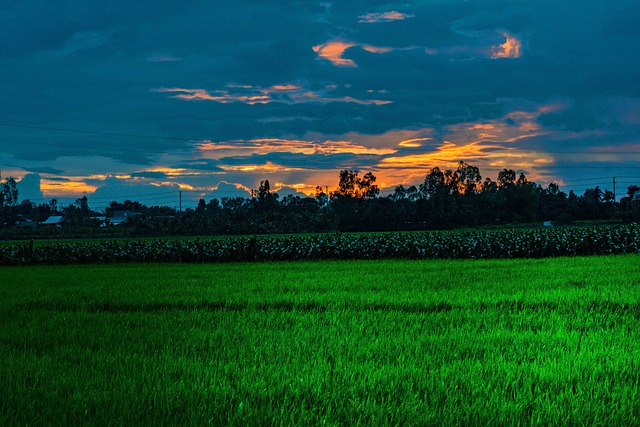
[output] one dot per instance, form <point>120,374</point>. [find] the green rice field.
<point>552,341</point>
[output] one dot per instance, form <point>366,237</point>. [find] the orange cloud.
<point>489,145</point>
<point>223,98</point>
<point>266,167</point>
<point>413,143</point>
<point>333,50</point>
<point>376,49</point>
<point>484,126</point>
<point>285,88</point>
<point>447,152</point>
<point>65,189</point>
<point>543,161</point>
<point>511,48</point>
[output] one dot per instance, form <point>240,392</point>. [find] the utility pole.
<point>614,189</point>
<point>180,201</point>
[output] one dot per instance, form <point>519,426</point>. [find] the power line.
<point>93,132</point>
<point>84,147</point>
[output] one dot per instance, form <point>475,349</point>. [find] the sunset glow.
<point>333,50</point>
<point>511,48</point>
<point>192,98</point>
<point>66,189</point>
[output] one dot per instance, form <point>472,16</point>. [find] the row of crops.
<point>534,243</point>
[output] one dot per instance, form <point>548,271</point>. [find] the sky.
<point>157,100</point>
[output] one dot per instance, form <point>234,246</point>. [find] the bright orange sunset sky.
<point>144,100</point>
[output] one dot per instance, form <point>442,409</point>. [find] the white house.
<point>54,220</point>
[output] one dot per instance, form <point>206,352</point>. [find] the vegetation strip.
<point>536,243</point>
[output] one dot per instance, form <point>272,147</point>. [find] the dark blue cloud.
<point>149,175</point>
<point>34,170</point>
<point>201,165</point>
<point>96,66</point>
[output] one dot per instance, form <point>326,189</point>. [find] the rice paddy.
<point>387,342</point>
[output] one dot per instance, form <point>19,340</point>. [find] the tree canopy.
<point>457,197</point>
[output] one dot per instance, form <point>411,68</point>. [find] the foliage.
<point>532,243</point>
<point>446,199</point>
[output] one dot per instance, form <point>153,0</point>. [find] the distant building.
<point>99,220</point>
<point>54,220</point>
<point>120,217</point>
<point>23,222</point>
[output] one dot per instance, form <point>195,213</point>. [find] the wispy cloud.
<point>414,142</point>
<point>289,93</point>
<point>376,17</point>
<point>156,57</point>
<point>333,50</point>
<point>267,167</point>
<point>223,97</point>
<point>481,44</point>
<point>273,145</point>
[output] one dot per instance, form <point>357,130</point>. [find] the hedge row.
<point>454,245</point>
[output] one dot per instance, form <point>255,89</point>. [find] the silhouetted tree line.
<point>445,199</point>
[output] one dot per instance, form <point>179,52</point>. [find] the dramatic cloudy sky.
<point>143,99</point>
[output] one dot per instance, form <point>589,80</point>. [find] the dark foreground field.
<point>323,343</point>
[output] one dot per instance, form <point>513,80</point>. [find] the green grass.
<point>528,342</point>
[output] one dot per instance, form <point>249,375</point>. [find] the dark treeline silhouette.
<point>446,199</point>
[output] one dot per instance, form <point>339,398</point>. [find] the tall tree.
<point>366,186</point>
<point>264,191</point>
<point>8,192</point>
<point>469,178</point>
<point>452,181</point>
<point>439,189</point>
<point>352,186</point>
<point>321,197</point>
<point>433,183</point>
<point>82,204</point>
<point>347,183</point>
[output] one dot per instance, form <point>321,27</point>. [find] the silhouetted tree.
<point>352,186</point>
<point>506,178</point>
<point>8,192</point>
<point>469,178</point>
